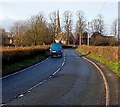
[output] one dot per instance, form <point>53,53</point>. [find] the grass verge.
<point>12,68</point>
<point>114,66</point>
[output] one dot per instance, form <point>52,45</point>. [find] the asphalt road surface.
<point>69,80</point>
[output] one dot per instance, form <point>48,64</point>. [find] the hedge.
<point>12,55</point>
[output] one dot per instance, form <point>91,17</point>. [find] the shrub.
<point>109,52</point>
<point>12,55</point>
<point>108,55</point>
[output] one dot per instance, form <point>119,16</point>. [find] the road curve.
<point>14,85</point>
<point>78,82</point>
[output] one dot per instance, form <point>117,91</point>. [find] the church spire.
<point>58,29</point>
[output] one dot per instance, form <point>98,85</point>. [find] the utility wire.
<point>102,7</point>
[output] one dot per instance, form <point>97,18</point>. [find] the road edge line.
<point>104,79</point>
<point>24,69</point>
<point>29,90</point>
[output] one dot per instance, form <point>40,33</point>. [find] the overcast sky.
<point>12,10</point>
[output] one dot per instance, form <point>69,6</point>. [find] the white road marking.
<point>50,76</point>
<point>29,90</point>
<point>63,64</point>
<point>2,105</point>
<point>21,95</point>
<point>104,79</point>
<point>60,68</point>
<point>41,82</point>
<point>44,60</point>
<point>36,85</point>
<point>56,71</point>
<point>24,69</point>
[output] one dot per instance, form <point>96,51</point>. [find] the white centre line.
<point>21,95</point>
<point>29,90</point>
<point>56,71</point>
<point>63,64</point>
<point>36,85</point>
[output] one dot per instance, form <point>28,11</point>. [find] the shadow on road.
<point>85,54</point>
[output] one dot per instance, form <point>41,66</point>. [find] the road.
<point>69,80</point>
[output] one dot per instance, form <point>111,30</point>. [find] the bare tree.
<point>15,29</point>
<point>80,25</point>
<point>97,25</point>
<point>114,28</point>
<point>52,25</point>
<point>37,29</point>
<point>31,32</point>
<point>3,37</point>
<point>67,23</point>
<point>18,31</point>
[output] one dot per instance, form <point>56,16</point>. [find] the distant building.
<point>63,38</point>
<point>6,39</point>
<point>98,39</point>
<point>83,38</point>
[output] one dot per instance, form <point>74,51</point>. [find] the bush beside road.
<point>106,55</point>
<point>15,59</point>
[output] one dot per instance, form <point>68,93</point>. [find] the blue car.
<point>56,49</point>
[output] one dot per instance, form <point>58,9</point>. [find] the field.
<point>108,55</point>
<point>17,58</point>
